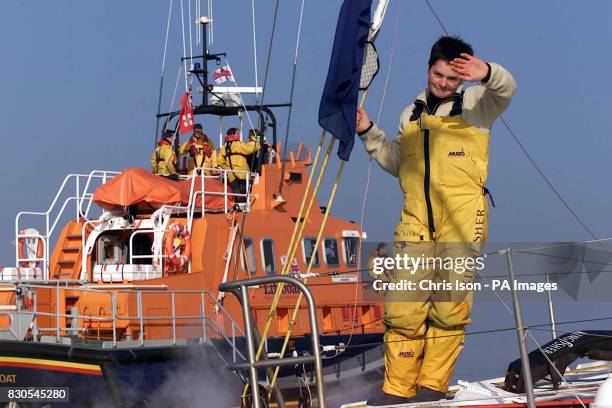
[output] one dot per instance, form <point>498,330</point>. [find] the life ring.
<point>30,247</point>
<point>177,248</point>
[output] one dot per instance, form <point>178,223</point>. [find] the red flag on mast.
<point>186,119</point>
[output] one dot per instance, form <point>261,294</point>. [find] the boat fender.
<point>603,398</point>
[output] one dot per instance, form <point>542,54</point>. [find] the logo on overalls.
<point>406,354</point>
<point>457,154</point>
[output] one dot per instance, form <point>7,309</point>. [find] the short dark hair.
<point>254,133</point>
<point>448,48</point>
<point>380,246</point>
<point>168,133</point>
<point>197,126</point>
<point>232,131</point>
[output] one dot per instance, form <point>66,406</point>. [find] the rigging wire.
<point>571,332</point>
<point>197,12</point>
<point>269,58</point>
<point>488,331</point>
<point>569,244</point>
<point>184,46</point>
<point>190,22</point>
<point>259,124</point>
<point>292,88</point>
<point>255,49</point>
<point>163,69</point>
<point>239,93</point>
<point>211,38</point>
<point>178,77</point>
<point>528,155</point>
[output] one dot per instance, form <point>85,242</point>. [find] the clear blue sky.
<point>80,82</point>
<point>80,79</point>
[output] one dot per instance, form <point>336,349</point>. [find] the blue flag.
<point>338,109</point>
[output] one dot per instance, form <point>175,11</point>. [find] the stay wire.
<point>184,45</point>
<point>255,49</point>
<point>263,92</point>
<point>163,69</point>
<point>571,332</point>
<point>489,331</point>
<point>190,22</point>
<point>569,244</point>
<point>292,88</point>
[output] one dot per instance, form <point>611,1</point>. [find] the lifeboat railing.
<point>27,306</point>
<point>77,189</point>
<point>198,190</point>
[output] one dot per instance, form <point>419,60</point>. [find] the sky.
<point>80,83</point>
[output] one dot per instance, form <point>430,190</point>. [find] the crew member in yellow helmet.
<point>440,156</point>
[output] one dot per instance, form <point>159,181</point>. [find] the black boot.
<point>382,399</point>
<point>427,394</point>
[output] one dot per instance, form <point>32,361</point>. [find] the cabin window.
<point>267,247</point>
<point>110,251</point>
<point>247,256</point>
<point>308,246</point>
<point>330,247</point>
<point>141,249</point>
<point>350,251</point>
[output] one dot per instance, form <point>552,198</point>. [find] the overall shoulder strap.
<point>418,110</point>
<point>457,104</point>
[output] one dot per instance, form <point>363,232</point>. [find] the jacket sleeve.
<point>245,148</point>
<point>484,103</point>
<point>168,158</point>
<point>154,161</point>
<point>385,151</point>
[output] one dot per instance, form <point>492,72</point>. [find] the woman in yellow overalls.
<point>440,156</point>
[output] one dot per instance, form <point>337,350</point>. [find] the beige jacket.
<point>482,104</point>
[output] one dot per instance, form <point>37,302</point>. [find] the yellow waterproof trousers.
<point>425,325</point>
<point>443,168</point>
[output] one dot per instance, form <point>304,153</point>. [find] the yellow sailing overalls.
<point>202,153</point>
<point>442,173</point>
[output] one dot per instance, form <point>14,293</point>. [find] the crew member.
<point>380,252</point>
<point>440,156</point>
<point>163,159</point>
<point>202,152</point>
<point>234,155</point>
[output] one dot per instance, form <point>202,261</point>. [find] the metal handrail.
<point>240,289</point>
<point>50,225</point>
<point>114,317</point>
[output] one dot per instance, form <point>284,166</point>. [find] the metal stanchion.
<point>521,334</point>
